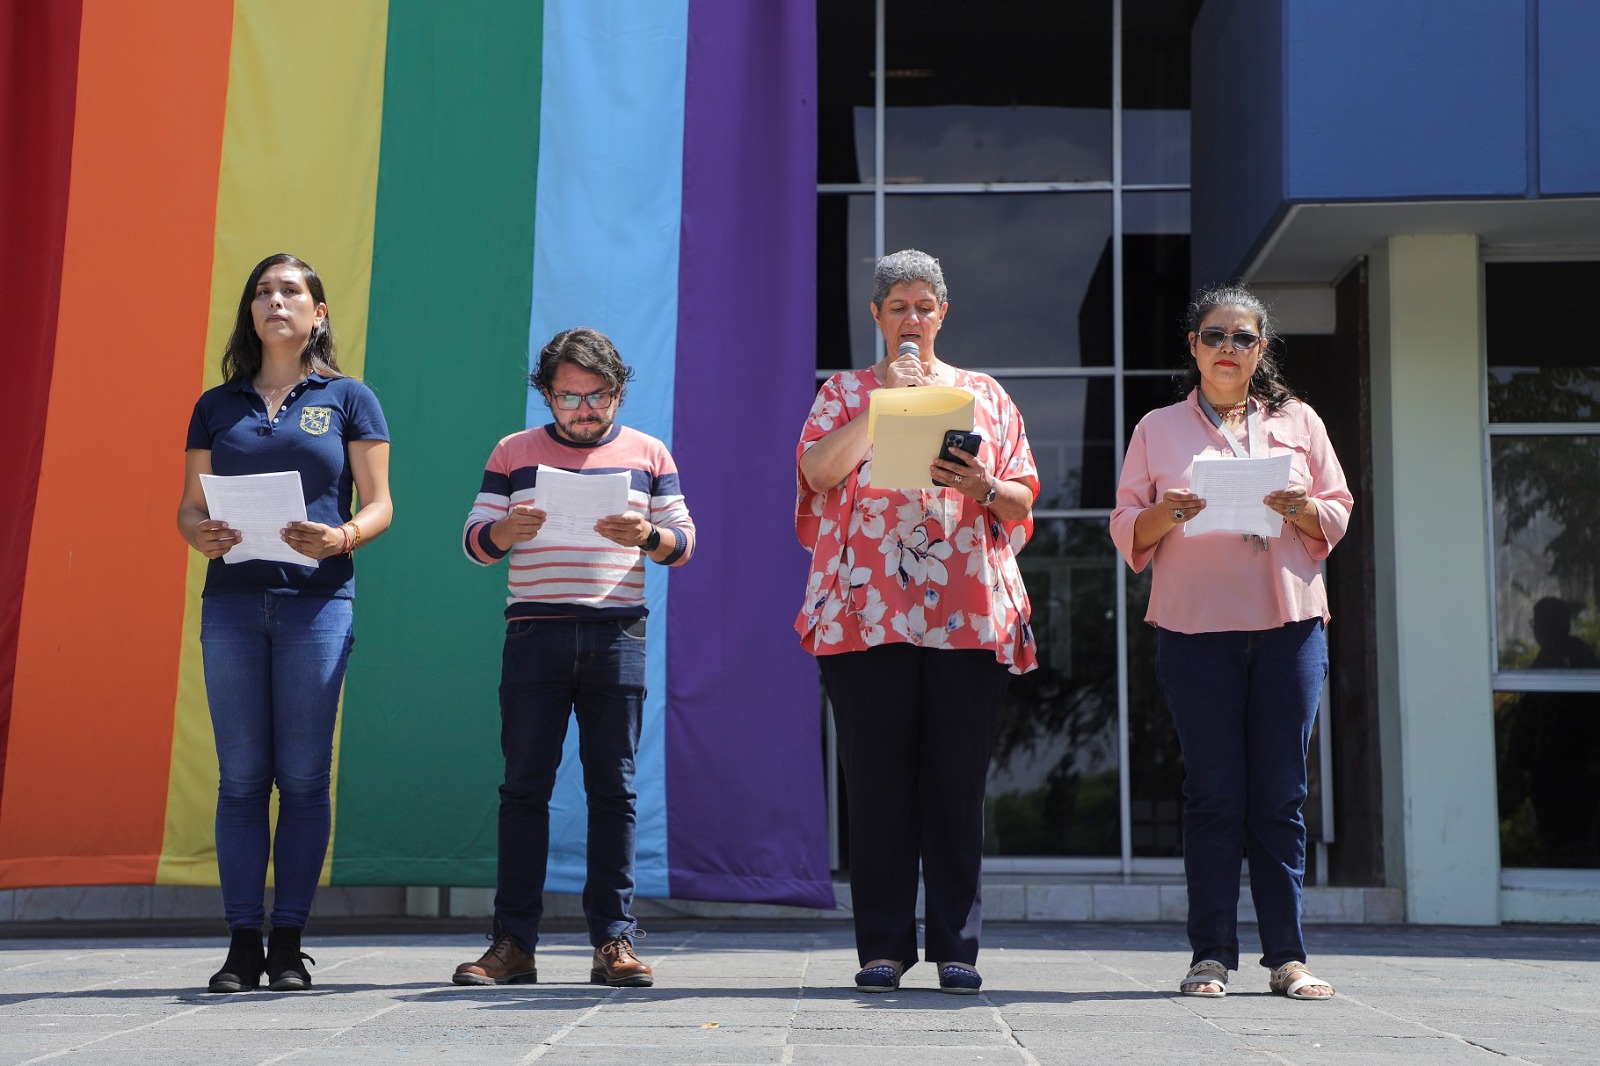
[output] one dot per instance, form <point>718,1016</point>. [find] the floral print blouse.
<point>928,567</point>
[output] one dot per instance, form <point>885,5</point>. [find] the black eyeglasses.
<point>569,401</point>
<point>1239,342</point>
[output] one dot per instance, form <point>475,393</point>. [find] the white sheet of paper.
<point>1232,489</point>
<point>258,506</point>
<point>573,503</point>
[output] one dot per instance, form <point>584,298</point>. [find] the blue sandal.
<point>959,980</point>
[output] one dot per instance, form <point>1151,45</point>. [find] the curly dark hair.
<point>587,349</point>
<point>1267,384</point>
<point>241,359</point>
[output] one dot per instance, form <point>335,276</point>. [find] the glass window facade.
<point>1041,151</point>
<point>1017,92</point>
<point>1543,397</point>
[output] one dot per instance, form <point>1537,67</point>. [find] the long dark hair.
<point>241,359</point>
<point>1267,384</point>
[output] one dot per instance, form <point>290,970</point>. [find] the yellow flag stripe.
<point>298,174</point>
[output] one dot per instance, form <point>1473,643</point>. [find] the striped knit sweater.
<point>598,582</point>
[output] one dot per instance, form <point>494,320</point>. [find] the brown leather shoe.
<point>616,965</point>
<point>505,963</point>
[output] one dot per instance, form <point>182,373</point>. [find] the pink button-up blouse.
<point>1219,582</point>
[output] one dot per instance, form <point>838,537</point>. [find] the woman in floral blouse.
<point>917,614</point>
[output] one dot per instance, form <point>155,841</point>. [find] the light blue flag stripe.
<point>605,255</point>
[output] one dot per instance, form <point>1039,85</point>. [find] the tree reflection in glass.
<point>1053,784</point>
<point>1547,573</point>
<point>1547,525</point>
<point>1053,780</point>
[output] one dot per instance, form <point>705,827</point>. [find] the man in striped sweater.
<point>575,640</point>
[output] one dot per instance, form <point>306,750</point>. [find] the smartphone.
<point>968,441</point>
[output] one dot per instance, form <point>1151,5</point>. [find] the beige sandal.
<point>1205,972</point>
<point>1292,977</point>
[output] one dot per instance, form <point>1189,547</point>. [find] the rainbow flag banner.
<point>469,178</point>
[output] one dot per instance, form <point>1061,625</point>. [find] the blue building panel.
<point>1236,133</point>
<point>1569,97</point>
<point>1393,101</point>
<point>1356,101</point>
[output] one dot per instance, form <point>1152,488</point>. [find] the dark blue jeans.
<point>1244,704</point>
<point>550,669</point>
<point>273,667</point>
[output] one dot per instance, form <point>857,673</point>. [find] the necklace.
<point>273,397</point>
<point>1232,411</point>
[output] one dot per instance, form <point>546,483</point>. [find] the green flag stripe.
<point>447,356</point>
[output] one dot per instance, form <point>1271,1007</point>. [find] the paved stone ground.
<point>743,992</point>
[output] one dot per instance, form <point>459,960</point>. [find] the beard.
<point>585,430</point>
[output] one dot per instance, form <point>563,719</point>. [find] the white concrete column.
<point>1441,834</point>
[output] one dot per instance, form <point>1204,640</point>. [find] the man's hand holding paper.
<point>520,525</point>
<point>629,529</point>
<point>574,505</point>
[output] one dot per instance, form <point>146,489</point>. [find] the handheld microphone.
<point>910,348</point>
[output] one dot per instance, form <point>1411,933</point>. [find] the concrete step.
<point>1012,900</point>
<point>1006,898</point>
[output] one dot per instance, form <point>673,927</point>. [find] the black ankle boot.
<point>284,971</point>
<point>242,968</point>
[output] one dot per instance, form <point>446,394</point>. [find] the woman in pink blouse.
<point>1241,653</point>
<point>917,614</point>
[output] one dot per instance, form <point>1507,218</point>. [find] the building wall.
<point>1434,645</point>
<point>1569,83</point>
<point>1386,101</point>
<point>1235,205</point>
<point>1374,101</point>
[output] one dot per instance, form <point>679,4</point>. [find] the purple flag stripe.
<point>746,813</point>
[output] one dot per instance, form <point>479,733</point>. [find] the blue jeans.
<point>273,666</point>
<point>549,669</point>
<point>1244,704</point>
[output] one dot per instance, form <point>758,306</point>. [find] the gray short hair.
<point>903,266</point>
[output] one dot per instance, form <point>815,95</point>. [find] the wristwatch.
<point>994,490</point>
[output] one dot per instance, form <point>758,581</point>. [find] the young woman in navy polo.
<point>275,636</point>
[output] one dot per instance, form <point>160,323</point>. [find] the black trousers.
<point>916,729</point>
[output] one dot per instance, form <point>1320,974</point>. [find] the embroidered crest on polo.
<point>316,420</point>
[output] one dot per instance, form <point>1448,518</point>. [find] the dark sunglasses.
<point>1239,342</point>
<point>569,401</point>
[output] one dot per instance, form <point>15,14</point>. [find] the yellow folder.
<point>907,426</point>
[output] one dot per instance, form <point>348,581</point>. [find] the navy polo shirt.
<point>318,417</point>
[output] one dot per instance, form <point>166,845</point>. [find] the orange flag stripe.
<point>86,806</point>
